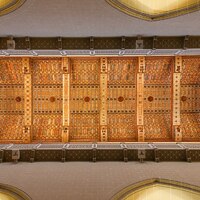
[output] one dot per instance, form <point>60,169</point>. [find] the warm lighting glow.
<point>4,196</point>
<point>162,192</point>
<point>5,3</point>
<point>7,6</point>
<point>159,189</point>
<point>156,9</point>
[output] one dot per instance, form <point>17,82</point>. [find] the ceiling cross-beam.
<point>140,99</point>
<point>176,98</point>
<point>103,104</point>
<point>93,43</point>
<point>27,128</point>
<point>66,98</point>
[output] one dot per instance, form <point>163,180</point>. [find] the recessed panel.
<point>190,99</point>
<point>157,98</point>
<point>85,99</point>
<point>11,100</point>
<point>47,99</point>
<point>121,99</point>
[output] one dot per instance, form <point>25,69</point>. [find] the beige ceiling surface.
<point>82,18</point>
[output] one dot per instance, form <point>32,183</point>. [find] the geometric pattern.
<point>102,152</point>
<point>86,84</point>
<point>191,126</point>
<point>11,100</point>
<point>11,128</point>
<point>47,99</point>
<point>121,99</point>
<point>121,127</point>
<point>157,98</point>
<point>157,127</point>
<point>85,99</point>
<point>171,155</point>
<point>190,99</point>
<point>47,128</point>
<point>84,127</point>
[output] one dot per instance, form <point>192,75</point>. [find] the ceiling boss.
<point>7,6</point>
<point>153,10</point>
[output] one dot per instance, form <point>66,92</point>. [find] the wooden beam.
<point>27,128</point>
<point>140,98</point>
<point>103,107</point>
<point>106,43</point>
<point>176,99</point>
<point>66,98</point>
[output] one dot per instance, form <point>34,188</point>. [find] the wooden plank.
<point>176,99</point>
<point>66,99</point>
<point>140,99</point>
<point>27,101</point>
<point>103,105</point>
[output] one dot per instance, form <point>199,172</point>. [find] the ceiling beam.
<point>92,43</point>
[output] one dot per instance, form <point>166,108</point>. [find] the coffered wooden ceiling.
<point>91,18</point>
<point>107,99</point>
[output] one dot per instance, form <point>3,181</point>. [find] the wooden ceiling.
<point>108,99</point>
